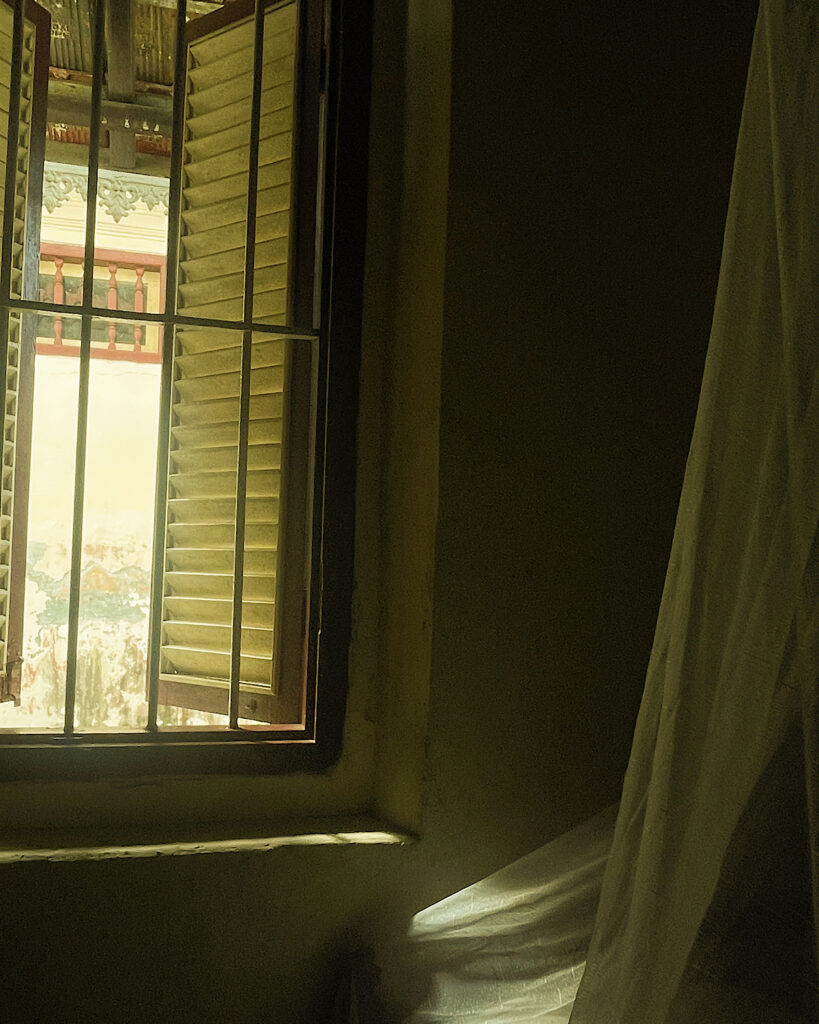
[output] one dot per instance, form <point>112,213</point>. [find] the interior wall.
<point>589,164</point>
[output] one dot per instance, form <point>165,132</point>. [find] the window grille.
<point>241,352</point>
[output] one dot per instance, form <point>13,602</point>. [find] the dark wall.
<point>589,174</point>
<point>591,157</point>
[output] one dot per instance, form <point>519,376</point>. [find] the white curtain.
<point>709,899</point>
<point>733,670</point>
<point>511,948</point>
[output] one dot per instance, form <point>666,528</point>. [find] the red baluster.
<point>139,306</point>
<point>59,297</point>
<point>112,303</point>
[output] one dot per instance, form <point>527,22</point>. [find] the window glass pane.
<point>41,520</point>
<point>120,480</point>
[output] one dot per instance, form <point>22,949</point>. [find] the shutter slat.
<point>262,431</point>
<point>270,306</point>
<point>229,114</point>
<point>216,664</point>
<point>265,380</point>
<point>256,641</point>
<point>231,286</point>
<point>232,236</point>
<point>263,355</point>
<point>219,204</point>
<point>270,123</point>
<point>222,510</point>
<point>258,561</point>
<point>220,535</point>
<point>206,339</point>
<point>231,40</point>
<point>227,410</point>
<point>224,67</point>
<point>268,254</point>
<point>221,166</point>
<point>219,611</point>
<point>203,584</point>
<point>261,483</point>
<point>208,101</point>
<point>259,456</point>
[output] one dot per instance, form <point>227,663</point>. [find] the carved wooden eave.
<point>117,193</point>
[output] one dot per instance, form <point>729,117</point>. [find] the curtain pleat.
<point>731,683</point>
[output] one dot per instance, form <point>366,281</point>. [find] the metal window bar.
<point>85,364</point>
<point>245,370</point>
<point>166,384</point>
<point>147,317</point>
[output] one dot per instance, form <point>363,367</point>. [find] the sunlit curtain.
<point>703,853</point>
<point>511,948</point>
<point>708,907</point>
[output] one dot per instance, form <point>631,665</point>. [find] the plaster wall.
<point>584,189</point>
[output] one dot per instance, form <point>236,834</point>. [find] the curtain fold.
<point>709,900</point>
<point>510,949</point>
<point>733,669</point>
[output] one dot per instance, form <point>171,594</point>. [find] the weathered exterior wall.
<point>590,152</point>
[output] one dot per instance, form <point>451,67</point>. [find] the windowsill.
<point>239,837</point>
<point>149,816</point>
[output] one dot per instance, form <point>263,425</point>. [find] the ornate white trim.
<point>117,193</point>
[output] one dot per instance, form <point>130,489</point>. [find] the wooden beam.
<point>70,153</point>
<point>120,45</point>
<point>194,6</point>
<point>69,103</point>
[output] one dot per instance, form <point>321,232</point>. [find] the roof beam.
<point>68,104</point>
<point>194,6</point>
<point>121,47</point>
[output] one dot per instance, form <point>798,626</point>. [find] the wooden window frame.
<point>10,678</point>
<point>339,233</point>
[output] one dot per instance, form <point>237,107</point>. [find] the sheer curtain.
<point>731,686</point>
<point>511,948</point>
<point>708,906</point>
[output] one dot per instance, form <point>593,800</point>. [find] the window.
<point>248,617</point>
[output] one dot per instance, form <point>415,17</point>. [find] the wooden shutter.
<point>32,77</point>
<point>203,451</point>
<point>216,151</point>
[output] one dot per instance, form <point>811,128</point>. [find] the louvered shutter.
<point>32,77</point>
<point>203,451</point>
<point>216,150</point>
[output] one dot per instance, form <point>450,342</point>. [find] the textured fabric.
<point>734,657</point>
<point>510,949</point>
<point>708,907</point>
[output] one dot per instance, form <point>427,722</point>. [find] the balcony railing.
<point>122,281</point>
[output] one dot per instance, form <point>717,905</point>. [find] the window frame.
<point>345,56</point>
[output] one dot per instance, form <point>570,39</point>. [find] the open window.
<point>241,494</point>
